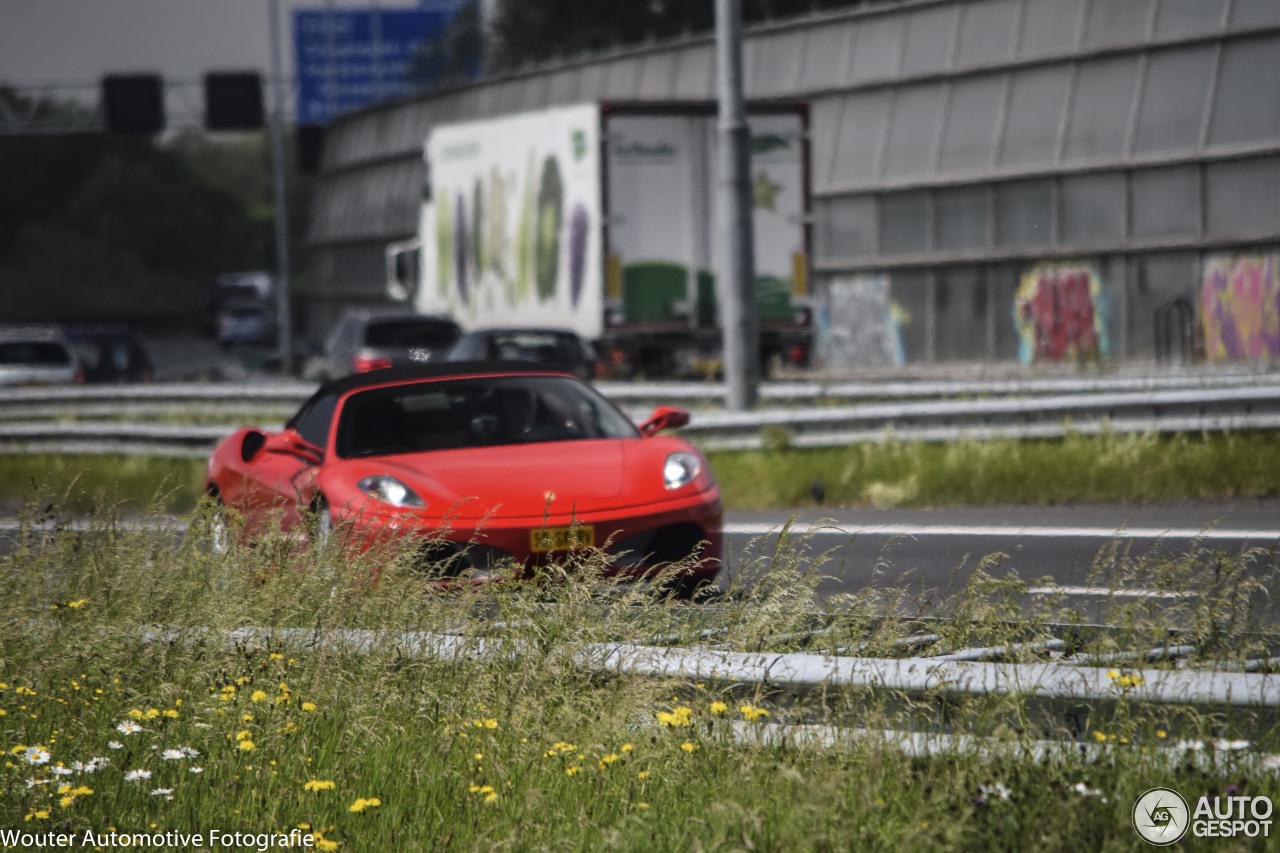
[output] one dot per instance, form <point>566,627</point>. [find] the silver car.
<point>37,355</point>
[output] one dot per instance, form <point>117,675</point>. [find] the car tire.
<point>220,536</point>
<point>319,523</point>
<point>690,588</point>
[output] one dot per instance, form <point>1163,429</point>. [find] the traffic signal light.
<point>233,100</point>
<point>310,142</point>
<point>133,104</point>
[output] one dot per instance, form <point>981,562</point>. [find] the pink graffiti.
<point>1060,312</point>
<point>1240,307</point>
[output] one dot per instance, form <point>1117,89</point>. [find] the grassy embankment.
<point>909,474</point>
<point>519,748</point>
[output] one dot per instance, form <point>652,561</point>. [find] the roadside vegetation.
<point>127,702</point>
<point>1079,468</point>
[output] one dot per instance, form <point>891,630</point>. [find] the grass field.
<point>909,474</point>
<point>518,748</point>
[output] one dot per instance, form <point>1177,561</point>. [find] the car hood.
<point>527,480</point>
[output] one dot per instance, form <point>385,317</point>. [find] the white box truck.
<point>603,218</point>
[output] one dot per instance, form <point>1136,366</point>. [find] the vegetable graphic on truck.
<point>603,218</point>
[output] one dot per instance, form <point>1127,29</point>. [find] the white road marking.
<point>1102,592</point>
<point>1029,531</point>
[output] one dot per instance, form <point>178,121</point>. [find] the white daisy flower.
<point>189,752</point>
<point>196,769</point>
<point>173,755</point>
<point>115,744</point>
<point>61,771</point>
<point>162,792</point>
<point>36,755</point>
<point>995,791</point>
<point>136,775</point>
<point>1085,791</point>
<point>31,783</point>
<point>128,727</point>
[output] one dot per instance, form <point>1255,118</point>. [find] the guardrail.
<point>1070,694</point>
<point>1204,410</point>
<point>280,399</point>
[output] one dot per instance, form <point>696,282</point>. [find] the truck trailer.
<point>603,218</point>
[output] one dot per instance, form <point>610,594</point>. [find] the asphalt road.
<point>1082,557</point>
<point>1085,558</point>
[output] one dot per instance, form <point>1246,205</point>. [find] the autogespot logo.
<point>1161,816</point>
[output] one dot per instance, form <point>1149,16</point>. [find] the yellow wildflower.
<point>719,708</point>
<point>37,814</point>
<point>171,713</point>
<point>688,747</point>
<point>247,746</point>
<point>627,748</point>
<point>243,734</point>
<point>326,844</point>
<point>78,603</point>
<point>318,785</point>
<point>258,696</point>
<point>679,716</point>
<point>308,706</point>
<point>643,774</point>
<point>571,771</point>
<point>491,796</point>
<point>606,760</point>
<point>751,713</point>
<point>363,803</point>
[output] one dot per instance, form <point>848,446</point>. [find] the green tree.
<point>96,227</point>
<point>532,31</point>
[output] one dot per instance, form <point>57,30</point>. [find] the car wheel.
<point>220,535</point>
<point>320,523</point>
<point>690,588</point>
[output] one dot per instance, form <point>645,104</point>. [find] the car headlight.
<point>389,490</point>
<point>680,469</point>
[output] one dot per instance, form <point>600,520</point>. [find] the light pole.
<point>284,327</point>
<point>738,313</point>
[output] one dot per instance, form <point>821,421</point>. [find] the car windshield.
<point>460,413</point>
<point>45,353</point>
<point>530,346</point>
<point>410,333</point>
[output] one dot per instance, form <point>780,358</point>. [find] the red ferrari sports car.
<point>495,468</point>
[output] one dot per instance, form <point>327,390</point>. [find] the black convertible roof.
<point>439,370</point>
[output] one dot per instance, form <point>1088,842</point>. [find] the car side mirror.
<point>664,417</point>
<point>291,443</point>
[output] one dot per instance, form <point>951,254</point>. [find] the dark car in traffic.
<point>365,340</point>
<point>560,348</point>
<point>111,354</point>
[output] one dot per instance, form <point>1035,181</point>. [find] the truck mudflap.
<point>684,353</point>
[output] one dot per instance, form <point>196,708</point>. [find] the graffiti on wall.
<point>1060,312</point>
<point>858,324</point>
<point>1240,306</point>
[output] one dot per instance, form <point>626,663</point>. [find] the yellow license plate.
<point>562,538</point>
